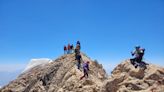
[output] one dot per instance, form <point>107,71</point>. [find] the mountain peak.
<point>62,75</point>
<point>57,76</point>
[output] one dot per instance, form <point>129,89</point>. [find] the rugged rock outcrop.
<point>62,75</point>
<point>126,78</point>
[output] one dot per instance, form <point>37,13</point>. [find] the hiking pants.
<point>78,64</point>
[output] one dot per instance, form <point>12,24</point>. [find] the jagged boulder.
<point>126,78</point>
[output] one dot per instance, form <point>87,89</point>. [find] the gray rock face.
<point>62,75</point>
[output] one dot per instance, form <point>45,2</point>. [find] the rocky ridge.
<point>62,75</point>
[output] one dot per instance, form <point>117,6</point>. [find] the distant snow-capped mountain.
<point>7,76</point>
<point>36,62</point>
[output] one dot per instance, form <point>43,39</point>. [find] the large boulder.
<point>126,78</point>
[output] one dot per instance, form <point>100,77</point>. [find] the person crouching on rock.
<point>85,70</point>
<point>138,53</point>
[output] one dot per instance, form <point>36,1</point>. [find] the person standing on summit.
<point>69,49</point>
<point>65,49</point>
<point>72,48</point>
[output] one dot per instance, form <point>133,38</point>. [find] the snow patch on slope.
<point>36,62</point>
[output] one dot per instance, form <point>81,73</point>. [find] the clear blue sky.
<point>108,29</point>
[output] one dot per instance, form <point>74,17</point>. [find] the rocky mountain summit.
<point>62,75</point>
<point>126,78</point>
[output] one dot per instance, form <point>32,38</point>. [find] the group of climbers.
<point>138,54</point>
<point>79,59</point>
<point>68,49</point>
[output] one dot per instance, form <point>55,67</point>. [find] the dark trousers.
<point>78,64</point>
<point>136,59</point>
<point>85,74</point>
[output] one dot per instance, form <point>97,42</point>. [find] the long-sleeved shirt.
<point>138,52</point>
<point>86,66</point>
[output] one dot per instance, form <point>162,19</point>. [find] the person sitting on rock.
<point>138,53</point>
<point>85,70</point>
<point>79,59</point>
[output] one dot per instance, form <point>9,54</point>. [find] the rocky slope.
<point>62,75</point>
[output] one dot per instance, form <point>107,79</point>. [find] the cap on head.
<point>88,62</point>
<point>137,46</point>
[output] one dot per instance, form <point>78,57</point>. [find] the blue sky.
<point>108,29</point>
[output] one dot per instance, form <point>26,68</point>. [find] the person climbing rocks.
<point>65,49</point>
<point>78,47</point>
<point>138,54</point>
<point>85,70</point>
<point>77,50</point>
<point>69,49</point>
<point>79,59</point>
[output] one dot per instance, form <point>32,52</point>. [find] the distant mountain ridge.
<point>62,75</point>
<point>36,62</point>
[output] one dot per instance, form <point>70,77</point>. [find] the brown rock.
<point>62,75</point>
<point>135,80</point>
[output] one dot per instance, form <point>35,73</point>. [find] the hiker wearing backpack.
<point>77,50</point>
<point>138,54</point>
<point>78,46</point>
<point>65,49</point>
<point>79,59</point>
<point>85,70</point>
